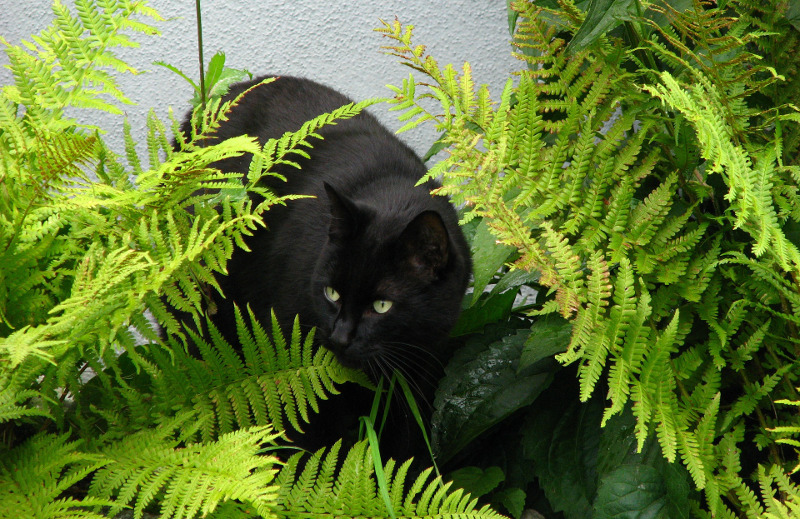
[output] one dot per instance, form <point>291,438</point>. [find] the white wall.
<point>332,42</point>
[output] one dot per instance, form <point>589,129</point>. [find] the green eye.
<point>331,294</point>
<point>382,306</point>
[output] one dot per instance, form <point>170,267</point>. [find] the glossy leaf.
<point>549,336</point>
<point>481,387</point>
<point>601,17</point>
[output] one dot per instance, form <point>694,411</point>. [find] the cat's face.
<point>386,291</point>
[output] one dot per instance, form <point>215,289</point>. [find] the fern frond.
<point>35,475</point>
<point>327,488</point>
<point>188,479</point>
<point>749,187</point>
<point>279,382</point>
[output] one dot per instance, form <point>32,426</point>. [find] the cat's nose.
<point>341,335</point>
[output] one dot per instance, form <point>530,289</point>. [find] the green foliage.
<point>325,489</point>
<point>640,174</point>
<point>187,478</point>
<point>218,79</point>
<point>271,381</point>
<point>100,409</point>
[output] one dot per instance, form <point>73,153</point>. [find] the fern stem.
<point>678,382</point>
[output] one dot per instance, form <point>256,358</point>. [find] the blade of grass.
<point>412,404</point>
<point>380,476</point>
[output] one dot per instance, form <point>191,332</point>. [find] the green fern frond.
<point>782,494</point>
<point>35,476</point>
<point>753,393</point>
<point>187,479</point>
<point>749,187</point>
<point>15,395</point>
<point>326,488</point>
<point>63,67</point>
<point>272,382</point>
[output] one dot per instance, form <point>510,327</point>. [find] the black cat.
<point>376,263</point>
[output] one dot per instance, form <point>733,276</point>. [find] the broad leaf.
<point>601,17</point>
<point>477,481</point>
<point>494,308</point>
<point>487,257</point>
<point>591,472</point>
<point>482,386</point>
<point>549,336</point>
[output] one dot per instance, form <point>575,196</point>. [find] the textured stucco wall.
<point>331,42</point>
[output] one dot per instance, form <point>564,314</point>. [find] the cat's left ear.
<point>425,245</point>
<point>344,215</point>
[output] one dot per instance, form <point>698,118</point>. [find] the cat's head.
<point>388,288</point>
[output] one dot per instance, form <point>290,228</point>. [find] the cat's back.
<point>283,104</point>
<point>352,152</point>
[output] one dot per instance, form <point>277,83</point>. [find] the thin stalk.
<point>200,54</point>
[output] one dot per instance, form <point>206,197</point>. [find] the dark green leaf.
<point>549,336</point>
<point>637,484</point>
<point>482,386</point>
<point>591,472</point>
<point>631,492</point>
<point>476,480</point>
<point>512,18</point>
<point>561,437</point>
<point>435,148</point>
<point>513,499</point>
<point>470,228</point>
<point>491,309</point>
<point>601,17</point>
<point>793,14</point>
<point>515,278</point>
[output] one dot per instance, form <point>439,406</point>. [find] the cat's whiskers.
<point>387,369</point>
<point>404,368</point>
<point>428,365</point>
<point>398,396</point>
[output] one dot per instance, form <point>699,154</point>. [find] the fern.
<point>273,377</point>
<point>634,238</point>
<point>324,488</point>
<point>36,475</point>
<point>748,186</point>
<point>95,247</point>
<point>191,478</point>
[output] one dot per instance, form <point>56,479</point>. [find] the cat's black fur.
<point>369,233</point>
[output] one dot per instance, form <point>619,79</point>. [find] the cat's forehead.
<point>368,266</point>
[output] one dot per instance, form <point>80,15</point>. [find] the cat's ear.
<point>344,215</point>
<point>425,245</point>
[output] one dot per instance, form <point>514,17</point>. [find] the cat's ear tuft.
<point>425,245</point>
<point>344,215</point>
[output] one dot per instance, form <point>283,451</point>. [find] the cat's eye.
<point>381,306</point>
<point>331,294</point>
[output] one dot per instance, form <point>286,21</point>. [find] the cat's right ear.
<point>344,215</point>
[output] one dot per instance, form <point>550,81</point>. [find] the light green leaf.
<point>487,257</point>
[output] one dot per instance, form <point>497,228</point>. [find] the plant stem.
<point>200,54</point>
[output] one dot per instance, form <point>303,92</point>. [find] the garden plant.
<point>629,346</point>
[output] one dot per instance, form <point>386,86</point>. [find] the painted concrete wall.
<point>332,42</point>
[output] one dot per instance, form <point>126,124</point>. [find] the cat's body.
<point>378,265</point>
